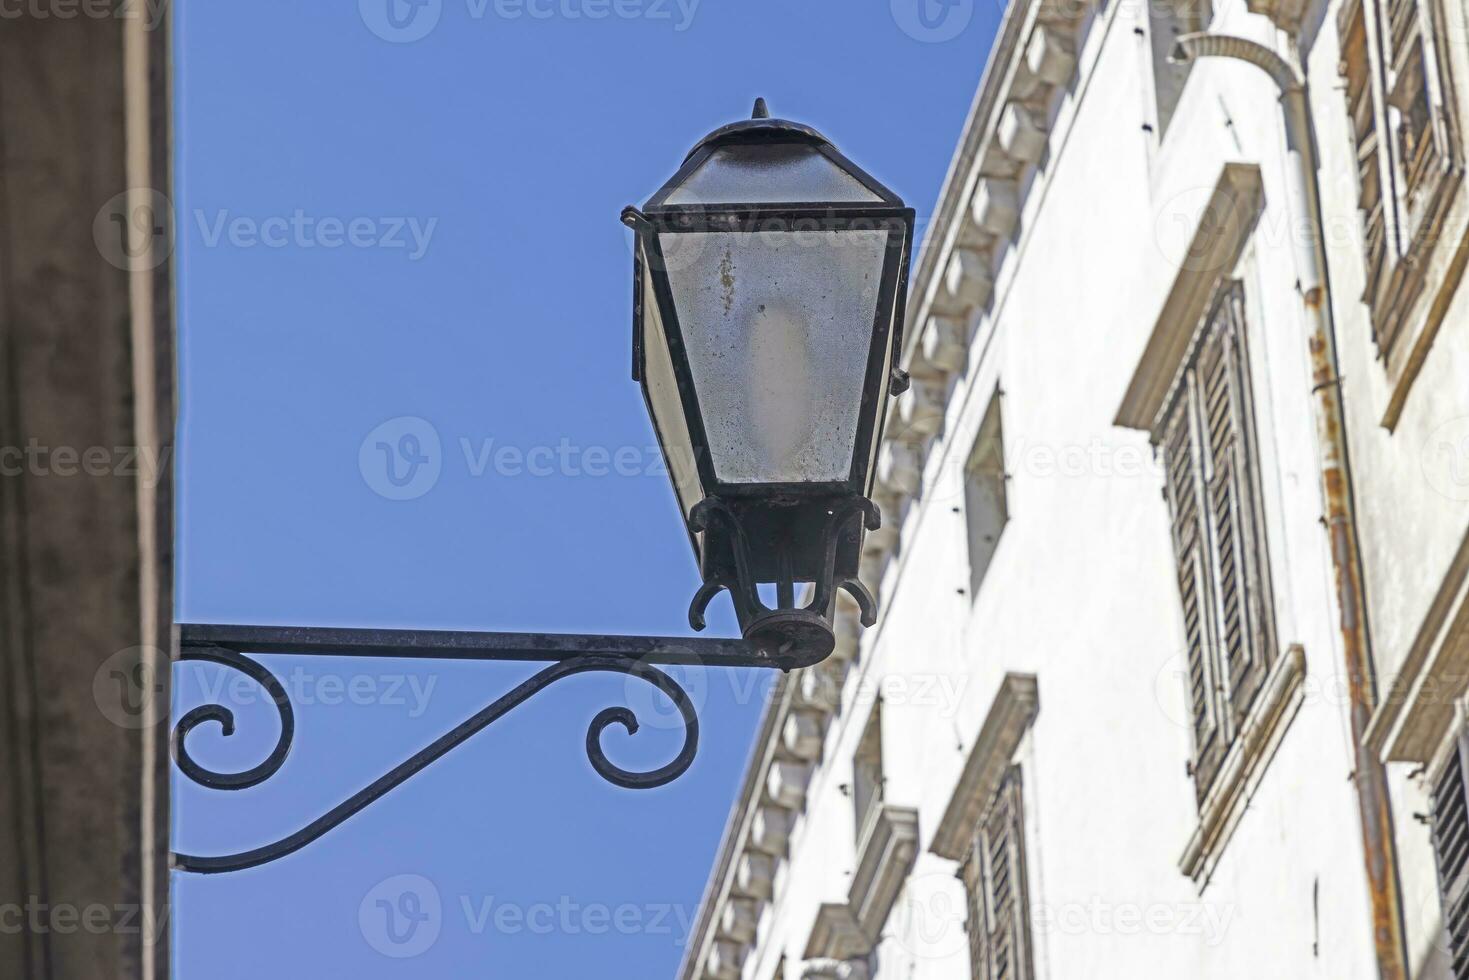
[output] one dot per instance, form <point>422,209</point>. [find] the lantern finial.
<point>761,111</point>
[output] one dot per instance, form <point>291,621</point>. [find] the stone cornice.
<point>1416,710</point>
<point>1013,709</point>
<point>958,183</point>
<point>1217,240</point>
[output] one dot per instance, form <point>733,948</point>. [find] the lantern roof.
<point>760,128</point>
<point>762,161</point>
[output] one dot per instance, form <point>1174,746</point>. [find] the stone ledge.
<point>1244,765</point>
<point>1417,707</point>
<point>836,935</point>
<point>885,855</point>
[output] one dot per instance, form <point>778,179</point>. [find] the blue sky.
<point>400,222</point>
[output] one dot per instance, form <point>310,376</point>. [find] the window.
<point>1362,111</point>
<point>1400,126</point>
<point>985,511</point>
<point>1168,20</point>
<point>993,873</point>
<point>1218,533</point>
<point>1451,853</point>
<point>867,772</point>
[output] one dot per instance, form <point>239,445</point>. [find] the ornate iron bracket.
<point>568,654</point>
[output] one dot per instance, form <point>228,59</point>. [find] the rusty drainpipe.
<point>1303,202</point>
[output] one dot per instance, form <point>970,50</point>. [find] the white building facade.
<point>1169,672</point>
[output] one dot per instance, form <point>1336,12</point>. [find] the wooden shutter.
<point>1190,546</point>
<point>1362,111</point>
<point>972,874</point>
<point>1218,534</point>
<point>1238,544</point>
<point>1404,134</point>
<point>994,879</point>
<point>1451,852</point>
<point>1421,151</point>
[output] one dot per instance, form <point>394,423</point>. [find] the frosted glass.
<point>663,399</point>
<point>778,328</point>
<point>770,174</point>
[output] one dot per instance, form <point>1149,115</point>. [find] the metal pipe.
<point>469,645</point>
<point>1304,203</point>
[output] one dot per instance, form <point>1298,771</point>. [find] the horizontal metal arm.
<point>637,657</point>
<point>471,645</point>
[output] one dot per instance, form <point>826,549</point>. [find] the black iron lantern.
<point>770,281</point>
<point>769,286</point>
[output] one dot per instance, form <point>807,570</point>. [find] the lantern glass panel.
<point>778,328</point>
<point>665,404</point>
<point>770,174</point>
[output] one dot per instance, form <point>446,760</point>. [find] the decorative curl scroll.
<point>429,754</point>
<point>226,719</point>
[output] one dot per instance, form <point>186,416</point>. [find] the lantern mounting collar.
<point>759,128</point>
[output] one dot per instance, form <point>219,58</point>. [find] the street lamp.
<point>769,288</point>
<point>769,284</point>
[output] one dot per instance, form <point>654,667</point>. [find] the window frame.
<point>1218,530</point>
<point>985,462</point>
<point>983,921</point>
<point>1450,788</point>
<point>1376,55</point>
<point>867,772</point>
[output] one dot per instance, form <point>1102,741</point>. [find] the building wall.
<point>1082,592</point>
<point>86,368</point>
<point>1407,437</point>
